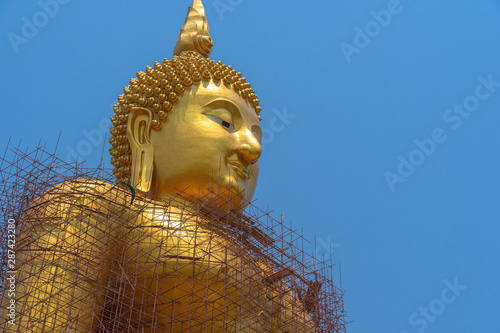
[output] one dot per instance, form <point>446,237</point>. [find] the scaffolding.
<point>88,256</point>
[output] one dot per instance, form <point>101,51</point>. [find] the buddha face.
<point>208,146</point>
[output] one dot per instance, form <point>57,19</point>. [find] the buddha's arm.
<point>64,242</point>
<point>288,311</point>
<point>293,316</point>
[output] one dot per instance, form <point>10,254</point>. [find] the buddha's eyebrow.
<point>224,104</point>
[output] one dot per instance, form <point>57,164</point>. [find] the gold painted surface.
<point>195,34</point>
<point>189,126</point>
<point>210,141</point>
<point>98,263</point>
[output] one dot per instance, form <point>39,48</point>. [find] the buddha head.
<point>188,125</point>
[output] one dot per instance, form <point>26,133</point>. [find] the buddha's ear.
<point>139,132</point>
<point>139,127</point>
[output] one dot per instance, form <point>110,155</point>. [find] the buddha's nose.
<point>249,151</point>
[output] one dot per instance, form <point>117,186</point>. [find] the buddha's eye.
<point>226,123</point>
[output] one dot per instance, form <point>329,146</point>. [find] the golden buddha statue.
<point>174,254</point>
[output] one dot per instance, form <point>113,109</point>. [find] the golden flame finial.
<point>195,33</point>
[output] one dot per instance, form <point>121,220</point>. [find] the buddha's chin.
<point>225,193</point>
<point>231,193</point>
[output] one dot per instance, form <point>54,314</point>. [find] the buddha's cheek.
<point>206,140</point>
<point>192,149</point>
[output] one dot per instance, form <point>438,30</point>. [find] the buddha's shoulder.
<point>84,191</point>
<point>84,201</point>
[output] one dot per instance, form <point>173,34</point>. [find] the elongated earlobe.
<point>139,130</point>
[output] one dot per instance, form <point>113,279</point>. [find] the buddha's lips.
<point>240,167</point>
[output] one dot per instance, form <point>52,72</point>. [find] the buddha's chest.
<point>189,267</point>
<point>180,244</point>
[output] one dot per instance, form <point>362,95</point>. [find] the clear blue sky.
<point>416,91</point>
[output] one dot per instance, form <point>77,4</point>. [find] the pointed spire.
<point>195,33</point>
<point>198,5</point>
